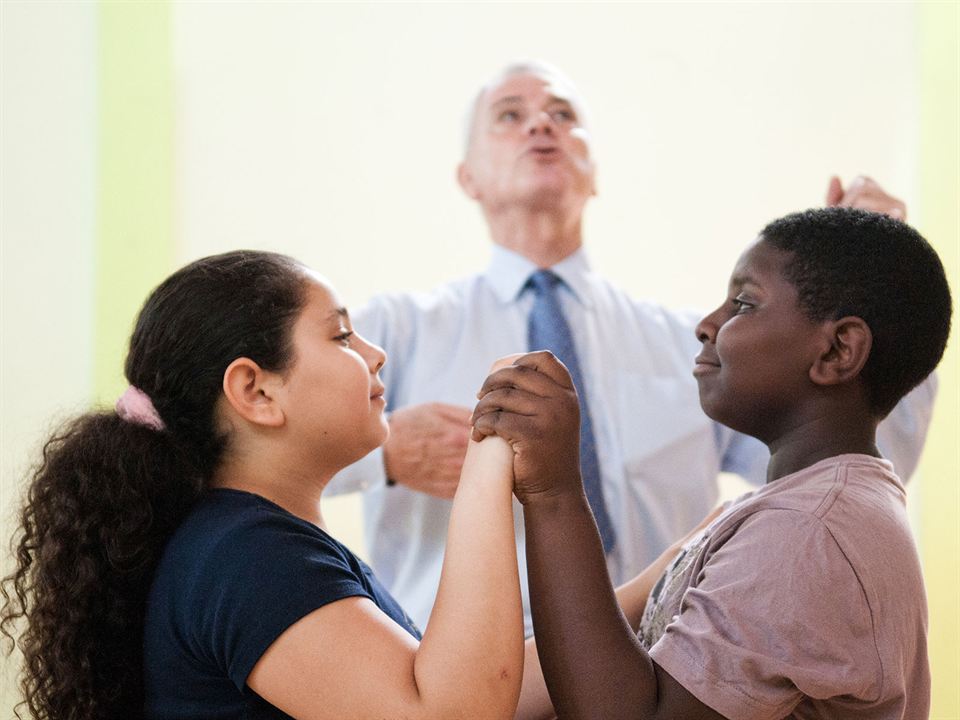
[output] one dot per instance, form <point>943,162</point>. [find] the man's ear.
<point>465,178</point>
<point>848,342</point>
<point>252,393</point>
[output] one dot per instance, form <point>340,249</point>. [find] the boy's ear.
<point>252,393</point>
<point>847,348</point>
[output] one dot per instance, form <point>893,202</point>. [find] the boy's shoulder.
<point>830,487</point>
<point>813,579</point>
<point>851,508</point>
<point>853,504</point>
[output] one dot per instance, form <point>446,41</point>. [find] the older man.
<point>650,457</point>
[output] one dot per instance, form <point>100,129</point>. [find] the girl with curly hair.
<point>172,557</point>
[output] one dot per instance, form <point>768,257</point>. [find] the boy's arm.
<point>592,662</point>
<point>631,597</point>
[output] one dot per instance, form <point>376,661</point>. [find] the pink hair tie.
<point>135,406</point>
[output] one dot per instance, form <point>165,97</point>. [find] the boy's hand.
<point>533,405</point>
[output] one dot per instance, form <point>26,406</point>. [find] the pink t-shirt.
<point>804,600</point>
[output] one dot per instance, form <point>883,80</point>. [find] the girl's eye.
<point>344,337</point>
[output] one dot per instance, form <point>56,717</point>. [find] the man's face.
<point>528,146</point>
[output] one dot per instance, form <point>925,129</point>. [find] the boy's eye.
<point>344,337</point>
<point>741,305</point>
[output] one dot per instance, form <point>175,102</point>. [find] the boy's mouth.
<point>703,364</point>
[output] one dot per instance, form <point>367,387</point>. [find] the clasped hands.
<point>532,404</point>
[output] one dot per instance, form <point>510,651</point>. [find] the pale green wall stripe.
<point>135,190</point>
<point>940,217</point>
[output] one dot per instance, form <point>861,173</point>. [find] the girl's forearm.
<point>470,661</point>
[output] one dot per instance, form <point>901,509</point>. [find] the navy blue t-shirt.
<point>238,572</point>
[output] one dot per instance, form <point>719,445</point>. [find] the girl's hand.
<point>532,404</point>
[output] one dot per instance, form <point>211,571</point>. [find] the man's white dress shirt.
<point>659,454</point>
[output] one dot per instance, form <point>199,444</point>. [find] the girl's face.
<point>333,397</point>
<point>753,372</point>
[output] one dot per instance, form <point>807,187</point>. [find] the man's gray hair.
<point>539,68</point>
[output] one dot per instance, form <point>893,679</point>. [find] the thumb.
<point>834,192</point>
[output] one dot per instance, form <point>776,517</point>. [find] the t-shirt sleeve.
<point>776,613</point>
<point>264,577</point>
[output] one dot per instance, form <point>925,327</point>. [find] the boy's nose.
<point>706,329</point>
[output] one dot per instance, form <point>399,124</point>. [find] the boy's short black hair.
<point>852,262</point>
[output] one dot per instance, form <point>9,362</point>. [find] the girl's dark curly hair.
<point>108,493</point>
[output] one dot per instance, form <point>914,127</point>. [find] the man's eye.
<point>508,116</point>
<point>741,305</point>
<point>564,115</point>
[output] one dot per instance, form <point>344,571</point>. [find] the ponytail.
<point>109,492</point>
<point>99,509</point>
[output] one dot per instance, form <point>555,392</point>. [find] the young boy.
<point>804,598</point>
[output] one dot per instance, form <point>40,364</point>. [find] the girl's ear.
<point>252,393</point>
<point>848,346</point>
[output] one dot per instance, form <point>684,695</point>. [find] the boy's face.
<point>758,348</point>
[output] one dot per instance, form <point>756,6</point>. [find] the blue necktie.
<point>548,330</point>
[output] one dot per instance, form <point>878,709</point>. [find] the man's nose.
<point>541,122</point>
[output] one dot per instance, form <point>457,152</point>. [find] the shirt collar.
<point>508,271</point>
